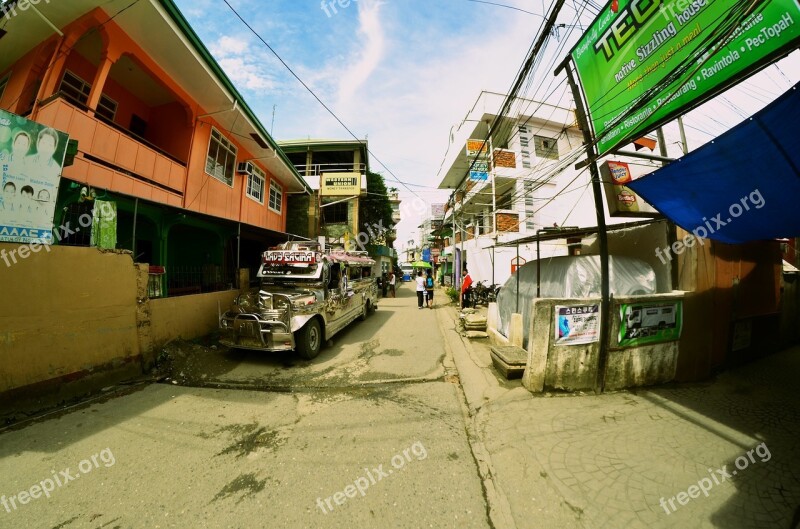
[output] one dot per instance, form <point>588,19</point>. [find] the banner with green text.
<point>650,60</point>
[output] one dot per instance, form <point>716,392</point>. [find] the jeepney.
<point>306,296</point>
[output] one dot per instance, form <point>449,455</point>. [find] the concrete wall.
<point>70,314</point>
<point>65,311</point>
<point>574,367</point>
<point>645,365</point>
<point>186,317</point>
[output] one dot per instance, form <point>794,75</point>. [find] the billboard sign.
<point>340,184</point>
<point>646,323</point>
<point>31,159</point>
<point>479,171</point>
<point>478,146</point>
<point>621,201</point>
<point>629,58</point>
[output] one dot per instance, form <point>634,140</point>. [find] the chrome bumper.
<point>253,331</point>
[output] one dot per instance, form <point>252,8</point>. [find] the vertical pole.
<point>684,145</point>
<point>517,273</point>
<point>494,194</point>
<point>662,143</point>
<point>602,235</point>
<point>135,214</point>
<point>238,248</point>
<point>455,274</point>
<point>538,266</point>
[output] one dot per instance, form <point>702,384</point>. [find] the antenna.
<point>272,126</point>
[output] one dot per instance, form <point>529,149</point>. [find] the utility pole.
<point>494,196</point>
<point>602,235</point>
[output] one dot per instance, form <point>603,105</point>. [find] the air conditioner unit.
<point>244,167</point>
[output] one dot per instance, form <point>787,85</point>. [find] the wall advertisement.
<point>647,323</point>
<point>31,159</point>
<point>577,324</point>
<point>626,58</point>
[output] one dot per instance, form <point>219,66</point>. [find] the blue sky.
<point>399,72</point>
<point>403,72</point>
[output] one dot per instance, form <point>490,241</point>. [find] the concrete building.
<point>529,184</point>
<point>336,171</point>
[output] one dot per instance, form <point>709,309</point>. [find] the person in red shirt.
<point>466,290</point>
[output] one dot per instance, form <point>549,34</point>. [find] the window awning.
<point>741,187</point>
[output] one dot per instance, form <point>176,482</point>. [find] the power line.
<point>310,91</point>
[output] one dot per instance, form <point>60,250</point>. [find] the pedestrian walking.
<point>466,290</point>
<point>420,289</point>
<point>429,290</point>
<point>392,280</point>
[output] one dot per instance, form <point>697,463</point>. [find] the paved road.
<point>354,454</point>
<point>397,342</point>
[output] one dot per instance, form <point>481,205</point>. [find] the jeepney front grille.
<point>273,315</point>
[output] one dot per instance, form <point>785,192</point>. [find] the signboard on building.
<point>663,57</point>
<point>621,201</point>
<point>646,323</point>
<point>31,159</point>
<point>479,171</point>
<point>340,184</point>
<point>577,324</point>
<point>478,146</point>
<point>437,211</point>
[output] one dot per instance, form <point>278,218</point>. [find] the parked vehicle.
<point>483,295</point>
<point>306,297</point>
<point>408,271</point>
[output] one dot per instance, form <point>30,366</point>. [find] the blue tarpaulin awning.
<point>743,186</point>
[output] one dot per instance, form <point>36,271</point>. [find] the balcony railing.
<point>109,145</point>
<point>319,168</point>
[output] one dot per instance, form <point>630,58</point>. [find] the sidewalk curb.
<point>498,507</point>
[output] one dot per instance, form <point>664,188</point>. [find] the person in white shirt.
<point>392,280</point>
<point>420,289</point>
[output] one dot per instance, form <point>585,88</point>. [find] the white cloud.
<point>372,47</point>
<point>242,62</point>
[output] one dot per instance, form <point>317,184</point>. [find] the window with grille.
<point>275,197</point>
<point>335,213</point>
<point>75,88</point>
<point>545,147</point>
<point>78,91</point>
<point>255,185</point>
<point>107,107</point>
<point>3,84</point>
<point>529,208</point>
<point>524,143</point>
<point>221,159</point>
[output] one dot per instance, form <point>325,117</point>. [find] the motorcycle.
<point>483,295</point>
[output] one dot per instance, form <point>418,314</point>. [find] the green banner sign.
<point>646,323</point>
<point>626,58</point>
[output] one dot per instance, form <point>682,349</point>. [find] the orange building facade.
<point>161,130</point>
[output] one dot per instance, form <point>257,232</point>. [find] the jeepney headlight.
<point>241,301</point>
<point>279,302</point>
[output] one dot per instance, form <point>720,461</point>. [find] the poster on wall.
<point>646,323</point>
<point>31,159</point>
<point>577,324</point>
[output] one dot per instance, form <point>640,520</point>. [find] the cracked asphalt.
<point>371,432</point>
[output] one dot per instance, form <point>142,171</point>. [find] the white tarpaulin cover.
<point>572,277</point>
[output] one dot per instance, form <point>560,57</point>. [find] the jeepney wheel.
<point>309,340</point>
